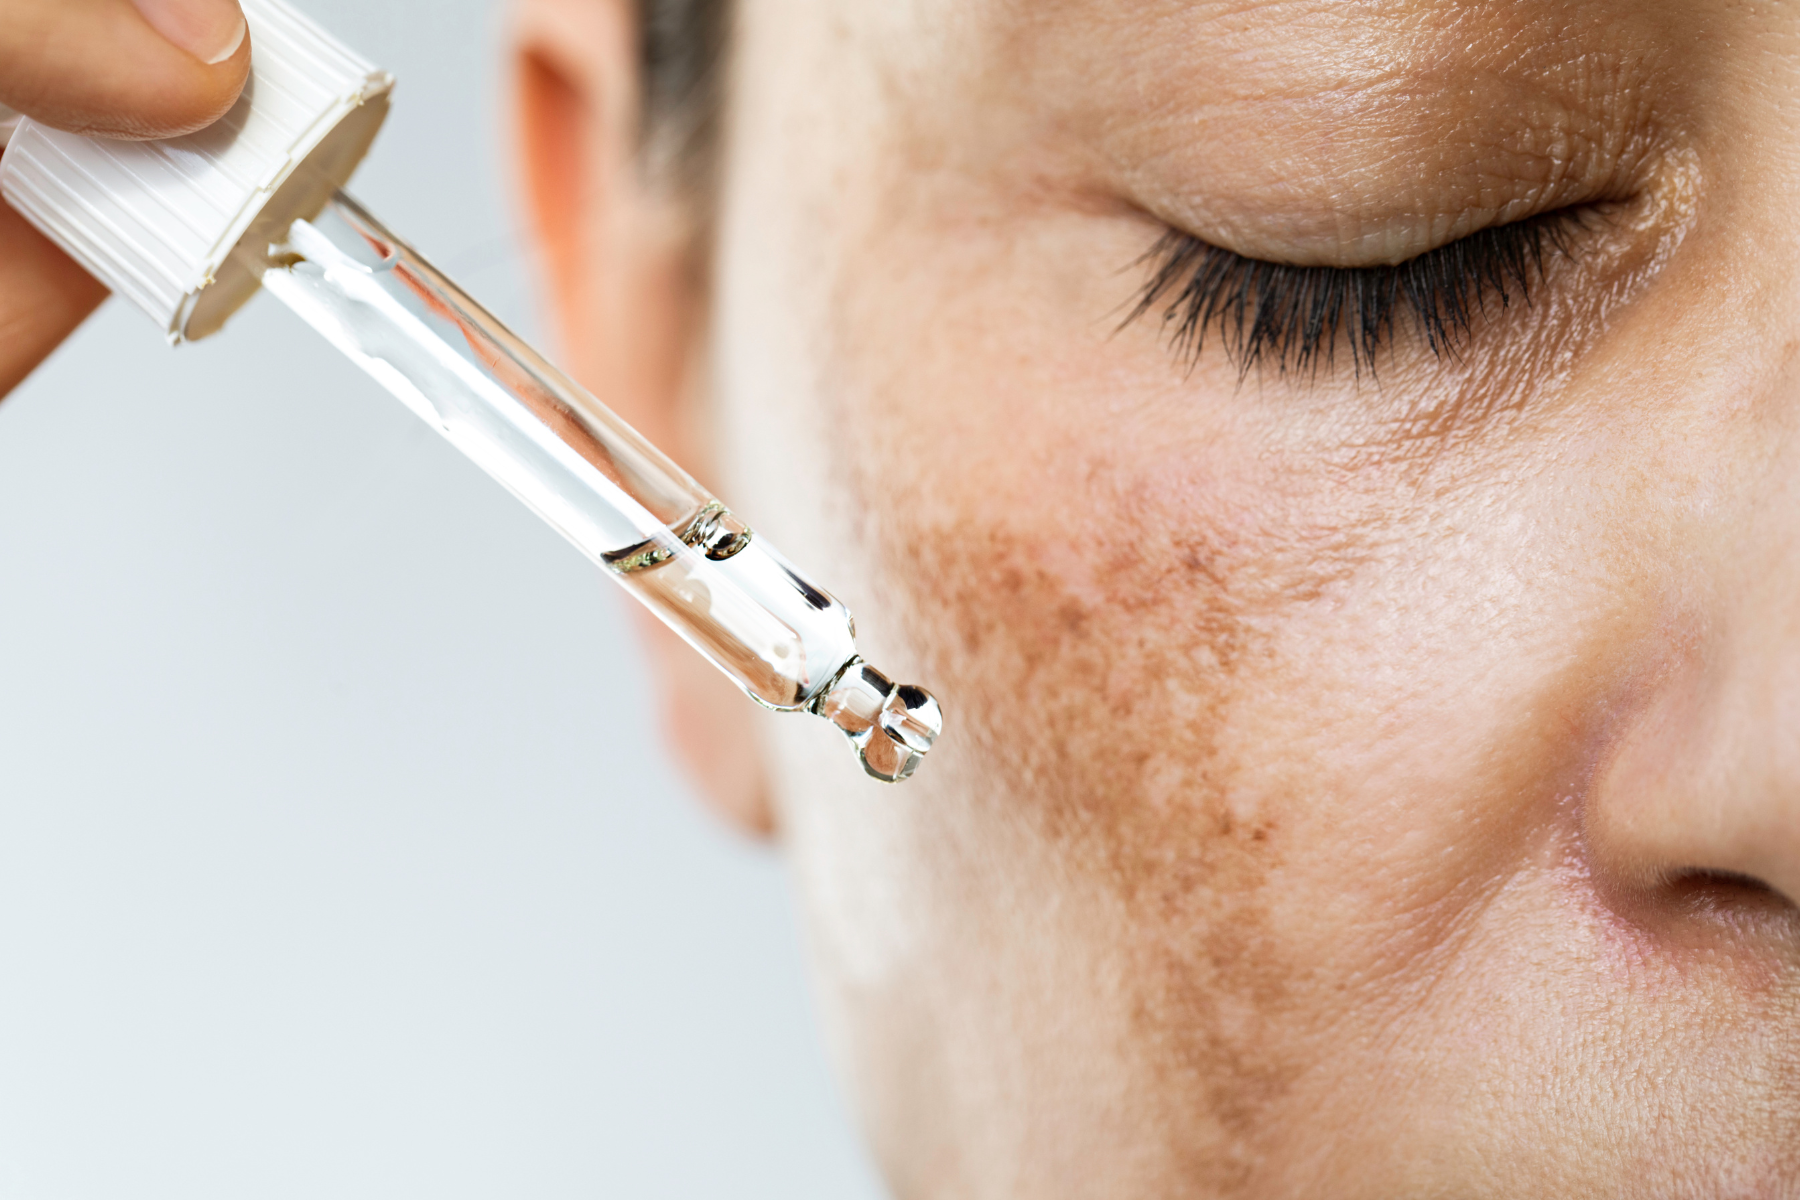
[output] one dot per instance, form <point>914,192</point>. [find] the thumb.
<point>123,68</point>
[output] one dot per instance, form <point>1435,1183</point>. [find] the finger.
<point>44,295</point>
<point>123,68</point>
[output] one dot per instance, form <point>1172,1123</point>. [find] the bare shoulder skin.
<point>1372,770</point>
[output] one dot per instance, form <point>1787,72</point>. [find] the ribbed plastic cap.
<point>157,221</point>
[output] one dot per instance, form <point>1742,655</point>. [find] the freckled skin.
<point>1343,788</point>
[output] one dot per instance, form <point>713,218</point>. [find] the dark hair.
<point>682,49</point>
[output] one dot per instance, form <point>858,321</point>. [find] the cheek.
<point>1193,667</point>
<point>1096,559</point>
<point>1103,569</point>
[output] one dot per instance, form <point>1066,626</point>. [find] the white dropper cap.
<point>157,221</point>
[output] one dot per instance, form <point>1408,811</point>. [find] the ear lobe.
<point>629,307</point>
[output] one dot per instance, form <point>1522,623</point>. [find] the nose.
<point>1705,781</point>
<point>1702,780</point>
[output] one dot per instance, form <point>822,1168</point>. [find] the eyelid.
<point>1294,316</point>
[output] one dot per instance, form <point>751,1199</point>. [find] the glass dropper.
<point>781,638</point>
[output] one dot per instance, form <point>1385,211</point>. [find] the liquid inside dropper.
<point>785,641</point>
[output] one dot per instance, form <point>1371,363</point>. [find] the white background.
<point>338,857</point>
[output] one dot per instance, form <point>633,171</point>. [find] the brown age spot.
<point>1093,682</point>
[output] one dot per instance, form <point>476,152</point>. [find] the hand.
<point>115,68</point>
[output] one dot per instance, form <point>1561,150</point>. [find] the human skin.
<point>1354,785</point>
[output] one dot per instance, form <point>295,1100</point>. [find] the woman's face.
<point>1364,778</point>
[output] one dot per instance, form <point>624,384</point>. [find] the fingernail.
<point>210,30</point>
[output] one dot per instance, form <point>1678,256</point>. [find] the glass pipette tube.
<point>781,638</point>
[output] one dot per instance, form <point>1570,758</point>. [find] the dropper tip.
<point>891,725</point>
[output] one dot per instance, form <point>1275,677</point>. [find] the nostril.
<point>1729,879</point>
<point>1712,889</point>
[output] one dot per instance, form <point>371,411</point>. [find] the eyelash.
<point>1292,317</point>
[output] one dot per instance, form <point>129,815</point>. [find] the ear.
<point>620,256</point>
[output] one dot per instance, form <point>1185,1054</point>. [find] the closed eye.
<point>1294,318</point>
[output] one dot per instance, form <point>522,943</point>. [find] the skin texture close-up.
<point>1370,766</point>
